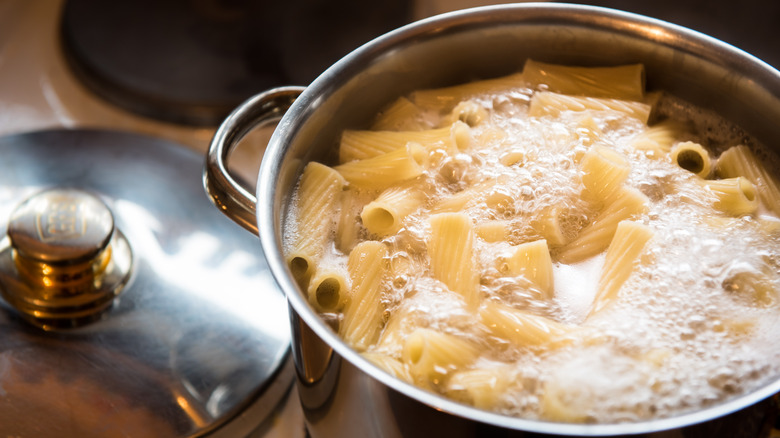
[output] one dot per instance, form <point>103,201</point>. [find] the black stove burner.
<point>193,61</point>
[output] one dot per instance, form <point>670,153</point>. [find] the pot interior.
<point>490,42</point>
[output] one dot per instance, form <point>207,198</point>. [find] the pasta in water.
<point>555,244</point>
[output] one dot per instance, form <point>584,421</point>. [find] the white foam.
<point>575,286</point>
<point>696,323</point>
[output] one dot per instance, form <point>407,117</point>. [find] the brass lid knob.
<point>61,226</point>
<point>63,262</point>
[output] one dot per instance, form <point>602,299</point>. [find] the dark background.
<point>751,25</point>
<point>192,61</point>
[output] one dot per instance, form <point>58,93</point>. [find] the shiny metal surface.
<point>449,49</point>
<point>63,263</point>
<point>61,225</point>
<point>230,197</point>
<point>197,344</point>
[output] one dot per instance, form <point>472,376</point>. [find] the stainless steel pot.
<point>344,395</point>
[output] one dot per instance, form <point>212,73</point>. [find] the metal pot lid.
<point>130,306</point>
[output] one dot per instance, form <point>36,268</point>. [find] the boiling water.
<point>695,324</point>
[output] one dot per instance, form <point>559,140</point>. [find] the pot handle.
<point>230,197</point>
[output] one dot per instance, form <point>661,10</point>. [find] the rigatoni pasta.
<point>432,355</point>
<point>603,172</point>
<point>621,82</point>
<point>469,112</point>
<point>693,157</point>
<point>493,231</point>
<point>624,249</point>
<point>459,201</point>
<point>658,139</point>
<point>551,244</point>
<point>360,145</point>
<point>450,248</point>
<point>445,99</point>
<point>553,104</point>
<point>316,203</point>
<point>482,387</point>
<point>736,196</point>
<point>389,364</point>
<point>384,170</point>
<point>385,214</point>
<point>401,115</point>
<point>523,328</point>
<point>548,225</point>
<point>328,289</point>
<point>532,260</point>
<point>348,227</point>
<point>596,236</point>
<point>741,161</point>
<point>363,314</point>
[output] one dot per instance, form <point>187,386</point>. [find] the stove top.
<point>193,61</point>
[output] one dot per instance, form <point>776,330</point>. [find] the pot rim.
<point>649,29</point>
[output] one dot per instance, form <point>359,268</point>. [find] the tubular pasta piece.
<point>553,104</point>
<point>432,355</point>
<point>769,225</point>
<point>556,408</point>
<point>390,365</point>
<point>657,140</point>
<point>717,222</point>
<point>481,387</point>
<point>619,82</point>
<point>735,196</point>
<point>382,171</point>
<point>397,328</point>
<point>588,131</point>
<point>596,237</point>
<point>462,200</point>
<point>652,98</point>
<point>603,172</point>
<point>403,266</point>
<point>493,231</point>
<point>740,161</point>
<point>513,157</point>
<point>361,145</point>
<point>328,290</point>
<point>468,112</point>
<point>485,192</point>
<point>491,135</point>
<point>385,214</point>
<point>548,225</point>
<point>754,284</point>
<point>362,321</point>
<point>450,248</point>
<point>456,202</point>
<point>444,99</point>
<point>532,261</point>
<point>460,134</point>
<point>500,201</point>
<point>737,329</point>
<point>316,204</point>
<point>401,115</point>
<point>629,241</point>
<point>348,226</point>
<point>522,328</point>
<point>693,158</point>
